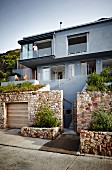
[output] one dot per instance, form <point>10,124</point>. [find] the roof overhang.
<point>32,39</point>
<point>47,60</point>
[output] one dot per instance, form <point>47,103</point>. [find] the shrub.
<point>102,120</point>
<point>107,74</point>
<point>26,86</point>
<point>96,82</point>
<point>44,117</point>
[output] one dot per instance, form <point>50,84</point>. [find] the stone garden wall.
<point>43,133</point>
<point>53,98</point>
<point>86,103</point>
<point>99,143</point>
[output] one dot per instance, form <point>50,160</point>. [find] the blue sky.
<point>20,18</point>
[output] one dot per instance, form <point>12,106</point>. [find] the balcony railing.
<point>77,48</point>
<point>36,54</point>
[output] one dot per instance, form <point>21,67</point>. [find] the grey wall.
<point>70,88</point>
<point>99,38</point>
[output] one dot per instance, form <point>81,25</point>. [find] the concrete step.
<point>71,126</point>
<point>69,132</point>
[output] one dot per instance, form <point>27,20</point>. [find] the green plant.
<point>96,82</point>
<point>26,86</point>
<point>107,74</point>
<point>44,117</point>
<point>102,120</point>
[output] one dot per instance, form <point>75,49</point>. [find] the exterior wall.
<point>53,98</point>
<point>99,143</point>
<point>87,102</point>
<point>99,38</point>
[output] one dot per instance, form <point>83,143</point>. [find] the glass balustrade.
<point>77,48</point>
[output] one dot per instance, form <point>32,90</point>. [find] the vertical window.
<point>71,70</point>
<point>46,75</point>
<point>88,67</point>
<point>24,51</point>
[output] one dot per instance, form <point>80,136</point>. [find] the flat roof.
<point>49,35</point>
<point>33,62</point>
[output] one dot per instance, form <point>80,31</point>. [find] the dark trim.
<point>47,60</point>
<point>31,39</point>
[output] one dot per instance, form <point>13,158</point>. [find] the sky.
<point>22,18</point>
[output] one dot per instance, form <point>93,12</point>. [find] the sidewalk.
<point>67,143</point>
<point>12,137</point>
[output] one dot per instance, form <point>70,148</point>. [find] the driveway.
<point>12,137</point>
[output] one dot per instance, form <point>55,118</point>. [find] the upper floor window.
<point>43,48</point>
<point>77,44</point>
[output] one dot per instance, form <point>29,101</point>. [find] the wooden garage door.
<point>17,115</point>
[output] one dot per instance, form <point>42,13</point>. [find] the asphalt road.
<point>13,158</point>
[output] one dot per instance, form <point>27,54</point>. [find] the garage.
<point>17,115</point>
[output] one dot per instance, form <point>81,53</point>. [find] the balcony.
<point>77,48</point>
<point>35,54</point>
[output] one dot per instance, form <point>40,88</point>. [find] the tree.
<point>8,63</point>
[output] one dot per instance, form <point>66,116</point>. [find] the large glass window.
<point>46,74</point>
<point>77,44</point>
<point>88,67</point>
<point>107,63</point>
<point>71,70</point>
<point>24,51</point>
<point>43,48</point>
<point>58,72</point>
<point>30,50</point>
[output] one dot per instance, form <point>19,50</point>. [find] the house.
<point>65,57</point>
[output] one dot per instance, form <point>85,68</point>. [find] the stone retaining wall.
<point>43,133</point>
<point>53,98</point>
<point>87,103</point>
<point>99,143</point>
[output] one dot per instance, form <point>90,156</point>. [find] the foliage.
<point>26,86</point>
<point>45,117</point>
<point>97,82</point>
<point>102,120</point>
<point>8,63</point>
<point>107,74</point>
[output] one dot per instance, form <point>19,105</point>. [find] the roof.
<point>49,35</point>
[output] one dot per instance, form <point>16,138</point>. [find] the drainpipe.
<point>54,43</point>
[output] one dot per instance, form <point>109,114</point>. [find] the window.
<point>30,50</point>
<point>88,67</point>
<point>71,70</point>
<point>43,48</point>
<point>46,75</point>
<point>77,44</point>
<point>24,51</point>
<point>30,46</point>
<point>58,72</point>
<point>107,63</point>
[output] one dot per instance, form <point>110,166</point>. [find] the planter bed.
<point>96,142</point>
<point>43,133</point>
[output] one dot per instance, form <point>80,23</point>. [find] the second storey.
<point>75,41</point>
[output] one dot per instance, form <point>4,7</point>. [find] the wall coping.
<point>98,132</point>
